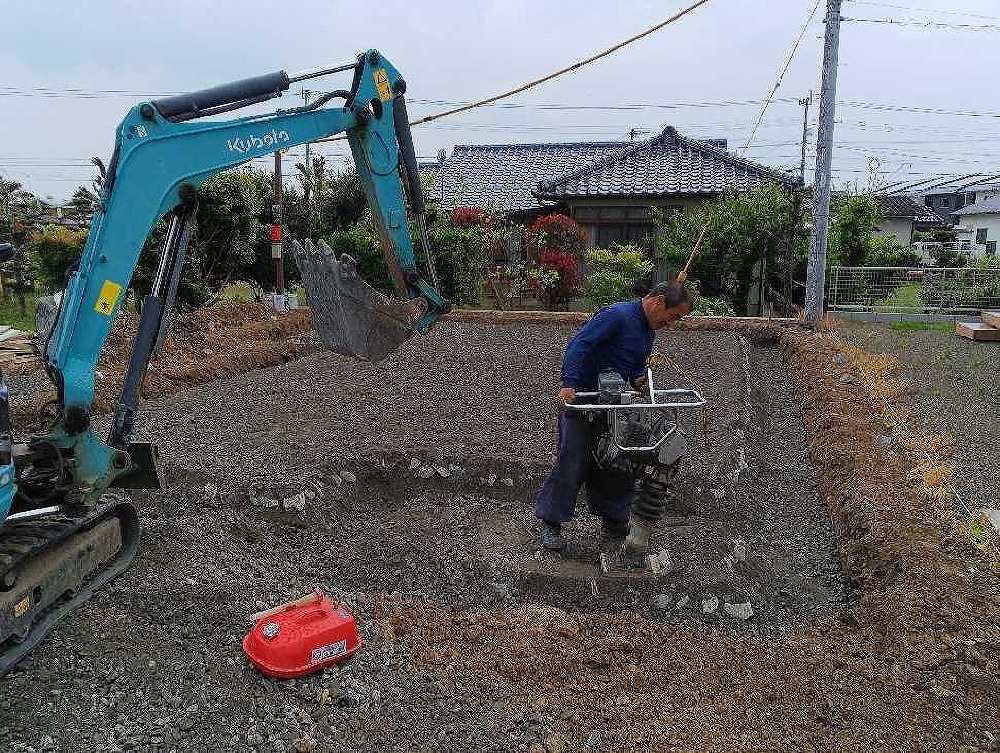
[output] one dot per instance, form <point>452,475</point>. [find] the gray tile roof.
<point>504,175</point>
<point>989,206</point>
<point>668,164</point>
<point>517,177</point>
<point>899,205</point>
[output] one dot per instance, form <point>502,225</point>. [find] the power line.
<point>924,24</point>
<point>781,76</point>
<point>967,14</point>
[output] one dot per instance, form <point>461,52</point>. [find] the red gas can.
<point>301,637</point>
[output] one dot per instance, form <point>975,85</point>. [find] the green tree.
<point>52,251</point>
<point>615,272</point>
<point>18,214</point>
<point>945,256</point>
<point>852,228</point>
<point>886,251</point>
<point>750,235</point>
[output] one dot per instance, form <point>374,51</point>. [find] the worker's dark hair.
<point>673,292</point>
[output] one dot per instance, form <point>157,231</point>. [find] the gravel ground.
<point>956,392</point>
<point>154,662</point>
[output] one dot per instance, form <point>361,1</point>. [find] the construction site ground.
<point>404,489</point>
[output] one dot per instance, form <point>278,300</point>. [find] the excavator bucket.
<point>351,317</point>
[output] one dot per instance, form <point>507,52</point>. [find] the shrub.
<point>53,250</point>
<point>886,251</point>
<point>615,273</point>
<point>555,278</point>
<point>466,218</point>
<point>555,233</point>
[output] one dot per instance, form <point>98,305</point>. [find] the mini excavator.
<point>65,528</point>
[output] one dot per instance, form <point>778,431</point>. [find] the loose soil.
<point>472,642</point>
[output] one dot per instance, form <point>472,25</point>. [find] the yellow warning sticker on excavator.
<point>382,84</point>
<point>22,606</point>
<point>108,298</point>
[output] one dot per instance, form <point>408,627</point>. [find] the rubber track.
<point>22,541</point>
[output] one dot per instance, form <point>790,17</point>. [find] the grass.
<point>908,296</point>
<point>10,313</point>
<point>922,326</point>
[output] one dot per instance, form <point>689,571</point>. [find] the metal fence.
<point>910,290</point>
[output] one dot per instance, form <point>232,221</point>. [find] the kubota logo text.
<point>253,141</point>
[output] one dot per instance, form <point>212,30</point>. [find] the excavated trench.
<point>749,526</point>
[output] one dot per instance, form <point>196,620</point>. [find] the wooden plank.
<point>991,318</point>
<point>977,331</point>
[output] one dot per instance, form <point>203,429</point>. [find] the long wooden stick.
<point>687,267</point>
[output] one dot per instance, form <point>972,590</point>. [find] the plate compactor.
<point>638,433</point>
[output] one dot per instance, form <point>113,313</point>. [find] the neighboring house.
<point>982,221</point>
<point>900,216</point>
<point>610,188</point>
<point>948,201</point>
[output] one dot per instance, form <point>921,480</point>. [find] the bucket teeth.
<point>351,317</point>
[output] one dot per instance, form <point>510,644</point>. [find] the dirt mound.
<point>200,346</point>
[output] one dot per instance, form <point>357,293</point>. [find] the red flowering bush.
<point>555,278</point>
<point>554,232</point>
<point>465,218</point>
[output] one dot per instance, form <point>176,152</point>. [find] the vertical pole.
<point>805,135</point>
<point>816,275</point>
<point>276,256</point>
<point>307,188</point>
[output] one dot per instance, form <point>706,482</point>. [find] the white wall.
<point>974,222</point>
<point>901,227</point>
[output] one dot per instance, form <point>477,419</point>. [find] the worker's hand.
<point>566,395</point>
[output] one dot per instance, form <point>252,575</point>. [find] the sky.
<point>71,71</point>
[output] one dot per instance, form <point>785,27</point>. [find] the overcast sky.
<point>72,69</point>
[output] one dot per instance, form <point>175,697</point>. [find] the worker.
<point>617,338</point>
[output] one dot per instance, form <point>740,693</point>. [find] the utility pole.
<point>816,275</point>
<point>307,188</point>
<point>276,231</point>
<point>805,136</point>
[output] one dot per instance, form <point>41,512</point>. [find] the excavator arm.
<point>63,534</point>
<point>162,154</point>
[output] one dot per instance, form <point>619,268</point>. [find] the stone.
<point>739,551</point>
<point>709,605</point>
<point>683,601</point>
<point>310,494</point>
<point>48,743</point>
<point>415,464</point>
<point>847,379</point>
<point>739,611</point>
<point>349,477</point>
<point>295,502</point>
<point>840,358</point>
<point>425,472</point>
<point>883,440</point>
<point>507,482</point>
<point>554,744</point>
<point>454,468</point>
<point>267,502</point>
<point>491,479</point>
<point>442,471</point>
<point>661,601</point>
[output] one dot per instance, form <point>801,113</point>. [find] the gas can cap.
<point>270,630</point>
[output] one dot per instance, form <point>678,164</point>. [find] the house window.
<point>991,247</point>
<point>981,234</point>
<point>944,202</point>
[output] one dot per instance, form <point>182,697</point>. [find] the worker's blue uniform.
<point>617,338</point>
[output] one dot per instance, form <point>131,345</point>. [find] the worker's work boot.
<point>635,548</point>
<point>552,538</point>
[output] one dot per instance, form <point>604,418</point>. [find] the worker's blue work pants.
<point>608,494</point>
